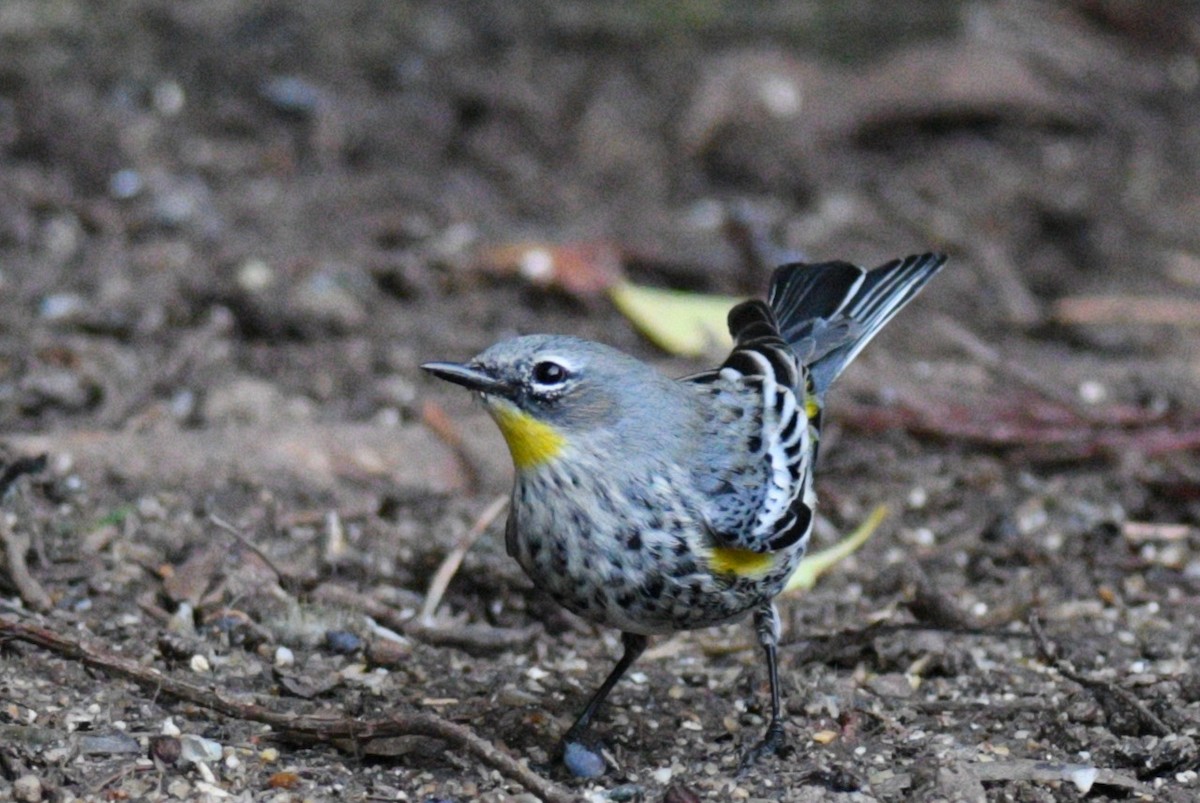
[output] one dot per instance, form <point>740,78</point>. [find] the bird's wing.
<point>756,453</point>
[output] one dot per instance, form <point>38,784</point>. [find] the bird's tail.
<point>828,311</point>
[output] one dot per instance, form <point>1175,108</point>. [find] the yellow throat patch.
<point>531,442</point>
<point>740,562</point>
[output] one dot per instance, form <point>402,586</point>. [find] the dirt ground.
<point>230,232</point>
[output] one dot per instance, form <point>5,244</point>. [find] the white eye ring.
<point>549,373</point>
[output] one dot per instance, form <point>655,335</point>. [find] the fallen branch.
<point>16,544</point>
<point>473,638</point>
<point>293,727</point>
<point>1112,310</point>
<point>1117,701</point>
<point>1039,431</point>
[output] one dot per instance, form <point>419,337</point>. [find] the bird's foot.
<point>772,742</point>
<point>583,760</point>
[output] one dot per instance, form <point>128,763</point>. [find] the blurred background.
<point>230,231</point>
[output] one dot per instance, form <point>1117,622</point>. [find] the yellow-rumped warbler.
<point>652,504</point>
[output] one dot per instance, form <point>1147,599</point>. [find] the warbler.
<point>652,504</point>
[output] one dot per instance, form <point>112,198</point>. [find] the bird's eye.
<point>549,373</point>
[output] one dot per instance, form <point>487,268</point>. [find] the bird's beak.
<point>469,377</point>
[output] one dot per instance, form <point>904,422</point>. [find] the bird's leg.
<point>634,645</point>
<point>766,623</point>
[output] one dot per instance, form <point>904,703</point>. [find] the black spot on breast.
<point>625,600</point>
<point>634,542</point>
<point>755,443</point>
<point>654,587</point>
<point>780,400</point>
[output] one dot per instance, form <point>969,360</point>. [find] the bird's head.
<point>547,393</point>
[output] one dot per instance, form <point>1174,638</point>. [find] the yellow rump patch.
<point>811,407</point>
<point>740,562</point>
<point>531,442</point>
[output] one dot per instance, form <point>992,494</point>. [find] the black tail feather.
<point>829,311</point>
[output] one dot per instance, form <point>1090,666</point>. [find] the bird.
<point>651,504</point>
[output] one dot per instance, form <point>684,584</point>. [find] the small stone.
<point>169,728</point>
<point>269,755</point>
<point>342,642</point>
<point>27,789</point>
<point>166,749</point>
<point>388,652</point>
<point>200,664</point>
<point>198,750</point>
<point>678,793</point>
<point>284,780</point>
<point>109,744</point>
<point>824,737</point>
<point>583,762</point>
<point>626,792</point>
<point>284,657</point>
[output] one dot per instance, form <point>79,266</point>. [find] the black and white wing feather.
<point>758,456</point>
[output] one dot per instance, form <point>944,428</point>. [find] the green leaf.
<point>816,564</point>
<point>683,323</point>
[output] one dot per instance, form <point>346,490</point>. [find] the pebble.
<point>387,652</point>
<point>166,749</point>
<point>63,307</point>
<point>342,642</point>
<point>678,793</point>
<point>197,750</point>
<point>284,657</point>
<point>125,184</point>
<point>200,664</point>
<point>27,789</point>
<point>291,94</point>
<point>582,762</point>
<point>108,744</point>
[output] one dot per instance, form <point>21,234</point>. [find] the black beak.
<point>468,377</point>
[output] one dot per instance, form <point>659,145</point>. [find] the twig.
<point>1109,310</point>
<point>195,345</point>
<point>244,541</point>
<point>477,638</point>
<point>16,544</point>
<point>1042,434</point>
<point>445,573</point>
<point>1112,698</point>
<point>302,728</point>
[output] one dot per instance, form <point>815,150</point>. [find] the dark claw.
<point>772,742</point>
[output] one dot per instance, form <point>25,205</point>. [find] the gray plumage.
<point>651,504</point>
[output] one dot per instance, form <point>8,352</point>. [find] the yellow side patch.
<point>811,408</point>
<point>531,442</point>
<point>740,562</point>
